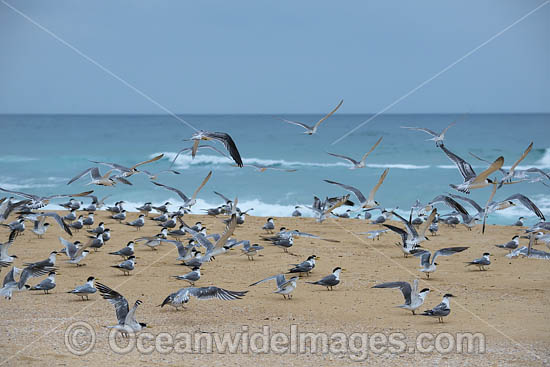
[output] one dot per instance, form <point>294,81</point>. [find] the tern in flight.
<point>413,298</point>
<point>310,130</point>
<point>126,317</point>
<point>187,202</point>
<point>221,137</point>
<point>430,267</point>
<point>98,179</point>
<point>471,180</point>
<point>365,202</point>
<point>357,164</point>
<point>128,171</point>
<point>437,137</point>
<point>37,202</point>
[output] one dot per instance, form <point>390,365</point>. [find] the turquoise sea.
<point>40,153</point>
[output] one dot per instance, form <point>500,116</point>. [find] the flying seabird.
<point>128,171</point>
<point>413,298</point>
<point>37,202</point>
<point>471,180</point>
<point>221,137</point>
<point>187,202</point>
<point>365,202</point>
<point>310,130</point>
<point>182,296</point>
<point>74,251</point>
<point>9,284</point>
<point>437,137</point>
<point>361,163</point>
<point>4,247</point>
<point>126,317</point>
<point>430,267</point>
<point>284,287</point>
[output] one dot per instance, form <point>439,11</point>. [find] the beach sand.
<point>508,304</point>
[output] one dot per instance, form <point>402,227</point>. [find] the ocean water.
<point>40,153</point>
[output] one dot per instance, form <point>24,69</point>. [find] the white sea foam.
<point>544,161</point>
<point>185,161</point>
<point>13,186</point>
<point>16,158</point>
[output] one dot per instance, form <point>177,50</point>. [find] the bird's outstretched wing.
<point>204,293</point>
<point>117,300</point>
<point>371,149</point>
<point>496,165</point>
<point>527,203</point>
<point>352,189</point>
<point>229,144</point>
<point>201,185</point>
<point>179,192</point>
<point>403,286</point>
<point>464,167</point>
<point>345,157</point>
<point>328,115</point>
<point>378,184</point>
<point>148,161</point>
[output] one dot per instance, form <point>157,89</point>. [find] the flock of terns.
<point>200,247</point>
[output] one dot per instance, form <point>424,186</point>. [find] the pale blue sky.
<point>274,56</point>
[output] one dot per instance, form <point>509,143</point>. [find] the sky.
<point>255,56</point>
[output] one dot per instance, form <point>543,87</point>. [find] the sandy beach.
<point>507,303</point>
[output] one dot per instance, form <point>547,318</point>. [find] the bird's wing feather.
<point>328,115</point>
<point>380,181</point>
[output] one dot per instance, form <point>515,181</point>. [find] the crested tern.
<point>430,267</point>
<point>138,223</point>
<point>413,298</point>
<point>128,171</point>
<point>85,290</point>
<point>471,180</point>
<point>187,202</point>
<point>46,285</point>
<point>360,163</point>
<point>126,317</point>
<point>310,130</point>
<point>365,202</point>
<point>436,137</point>
<point>331,280</point>
<point>193,276</point>
<point>126,266</point>
<point>74,251</point>
<point>182,296</point>
<point>37,202</point>
<point>125,252</point>
<point>441,310</point>
<point>305,267</point>
<point>482,262</point>
<point>221,137</point>
<point>284,287</point>
<point>510,245</point>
